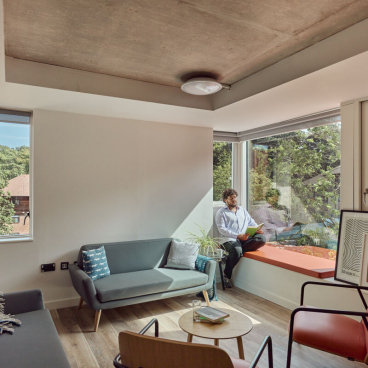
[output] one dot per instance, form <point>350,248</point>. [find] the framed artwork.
<point>352,259</point>
<point>364,270</point>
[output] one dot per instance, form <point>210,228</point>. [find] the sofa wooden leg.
<point>206,297</point>
<point>97,319</point>
<point>80,303</point>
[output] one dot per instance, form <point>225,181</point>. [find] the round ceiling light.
<point>201,86</point>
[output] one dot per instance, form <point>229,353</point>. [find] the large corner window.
<point>15,193</point>
<point>222,169</point>
<point>293,187</point>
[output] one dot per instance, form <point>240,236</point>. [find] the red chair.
<point>137,350</point>
<point>330,330</point>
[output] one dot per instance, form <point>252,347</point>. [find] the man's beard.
<point>232,205</point>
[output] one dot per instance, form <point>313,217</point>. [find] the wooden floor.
<point>85,348</point>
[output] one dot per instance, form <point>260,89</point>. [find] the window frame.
<point>246,167</point>
<point>233,152</point>
<point>240,142</point>
<point>12,238</point>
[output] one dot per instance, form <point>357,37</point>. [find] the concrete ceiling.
<point>341,74</point>
<point>166,41</point>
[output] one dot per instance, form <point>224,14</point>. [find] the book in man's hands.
<point>251,230</point>
<point>212,314</point>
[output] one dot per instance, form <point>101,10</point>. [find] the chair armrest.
<point>356,287</point>
<point>210,271</point>
<point>23,301</point>
<point>266,341</point>
<point>117,364</point>
<point>330,311</point>
<point>142,332</point>
<point>149,324</point>
<point>83,284</point>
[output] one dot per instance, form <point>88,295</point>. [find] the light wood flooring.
<point>86,348</point>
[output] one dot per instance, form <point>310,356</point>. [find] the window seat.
<point>308,265</point>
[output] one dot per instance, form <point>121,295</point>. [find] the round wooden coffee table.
<point>233,327</point>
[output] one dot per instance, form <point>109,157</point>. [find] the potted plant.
<point>209,246</point>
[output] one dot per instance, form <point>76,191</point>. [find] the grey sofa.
<point>137,276</point>
<point>36,342</point>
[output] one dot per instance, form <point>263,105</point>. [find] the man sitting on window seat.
<point>232,222</point>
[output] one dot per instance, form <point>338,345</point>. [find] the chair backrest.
<point>152,352</point>
<point>130,256</point>
<point>366,339</point>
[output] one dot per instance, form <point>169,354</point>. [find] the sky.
<point>14,134</point>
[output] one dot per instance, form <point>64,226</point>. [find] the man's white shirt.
<point>230,224</point>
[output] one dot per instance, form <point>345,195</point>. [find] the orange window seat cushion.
<point>302,263</point>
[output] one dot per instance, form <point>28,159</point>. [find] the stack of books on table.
<point>212,315</point>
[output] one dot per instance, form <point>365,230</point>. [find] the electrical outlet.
<point>46,267</point>
<point>64,265</point>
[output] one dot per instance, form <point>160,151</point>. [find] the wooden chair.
<point>139,351</point>
<point>330,330</point>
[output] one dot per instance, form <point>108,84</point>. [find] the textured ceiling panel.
<point>166,41</point>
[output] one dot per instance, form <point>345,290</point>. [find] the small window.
<point>15,132</point>
<point>15,200</point>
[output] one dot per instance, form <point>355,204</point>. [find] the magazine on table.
<point>212,314</point>
<point>205,320</point>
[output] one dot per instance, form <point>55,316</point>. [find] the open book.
<point>251,230</point>
<point>212,314</point>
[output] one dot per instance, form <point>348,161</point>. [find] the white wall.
<point>283,287</point>
<point>100,179</point>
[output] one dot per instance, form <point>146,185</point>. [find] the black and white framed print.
<point>351,245</point>
<point>364,269</point>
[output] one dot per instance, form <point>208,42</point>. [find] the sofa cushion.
<point>182,255</point>
<point>139,283</point>
<point>34,344</point>
<point>130,256</point>
<point>95,263</point>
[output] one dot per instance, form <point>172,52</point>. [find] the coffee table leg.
<point>190,337</point>
<point>240,347</point>
<point>217,342</point>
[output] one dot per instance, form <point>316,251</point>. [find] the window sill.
<point>301,263</point>
<point>17,239</point>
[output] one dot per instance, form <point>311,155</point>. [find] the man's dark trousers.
<point>238,247</point>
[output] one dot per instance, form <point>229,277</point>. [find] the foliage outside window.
<point>294,188</point>
<point>14,178</point>
<point>222,168</point>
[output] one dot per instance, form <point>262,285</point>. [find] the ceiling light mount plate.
<point>203,86</point>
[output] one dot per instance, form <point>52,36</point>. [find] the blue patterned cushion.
<point>95,263</point>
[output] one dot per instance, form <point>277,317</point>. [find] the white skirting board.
<point>266,294</point>
<point>283,287</point>
<point>65,303</point>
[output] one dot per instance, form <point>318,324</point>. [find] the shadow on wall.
<point>199,215</point>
